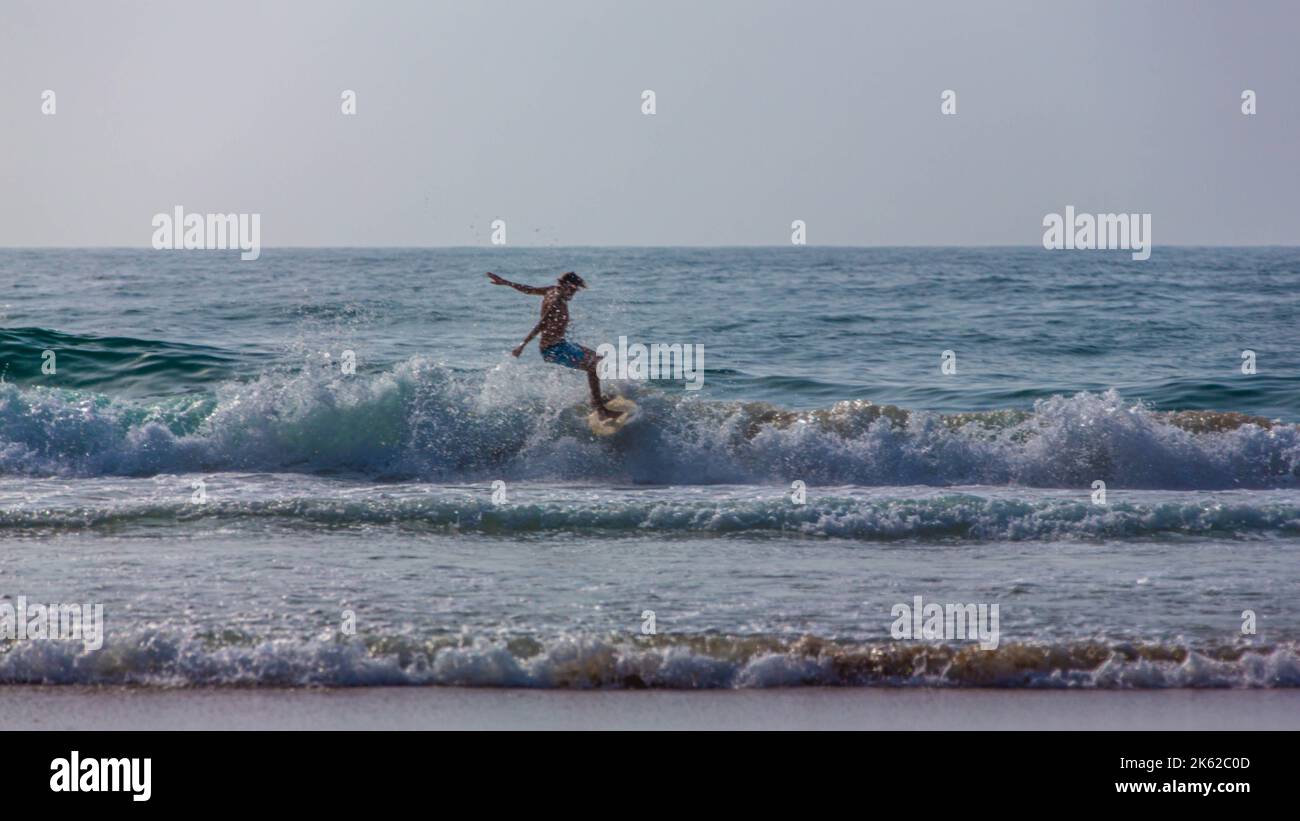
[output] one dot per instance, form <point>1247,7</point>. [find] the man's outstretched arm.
<point>527,289</point>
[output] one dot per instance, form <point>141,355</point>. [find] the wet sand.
<point>452,708</point>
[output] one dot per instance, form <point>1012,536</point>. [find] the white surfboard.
<point>609,427</point>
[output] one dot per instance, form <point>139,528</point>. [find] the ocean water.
<point>349,533</point>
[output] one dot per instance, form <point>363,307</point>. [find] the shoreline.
<point>62,707</point>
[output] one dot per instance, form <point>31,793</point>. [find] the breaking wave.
<point>424,420</point>
<point>158,658</point>
<point>954,516</point>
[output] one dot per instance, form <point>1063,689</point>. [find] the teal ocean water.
<point>444,515</point>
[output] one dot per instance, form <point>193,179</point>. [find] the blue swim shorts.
<point>564,353</point>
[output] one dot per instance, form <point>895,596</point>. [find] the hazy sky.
<point>531,112</point>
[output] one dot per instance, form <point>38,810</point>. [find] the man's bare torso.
<point>555,318</point>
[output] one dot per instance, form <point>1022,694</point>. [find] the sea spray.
<point>421,419</point>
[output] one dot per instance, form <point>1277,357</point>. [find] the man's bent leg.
<point>589,364</point>
<point>593,382</point>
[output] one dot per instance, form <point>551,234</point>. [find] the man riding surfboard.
<point>555,320</point>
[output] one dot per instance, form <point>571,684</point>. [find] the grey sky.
<point>530,111</point>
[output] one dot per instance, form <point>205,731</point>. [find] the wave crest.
<point>160,658</point>
<point>424,420</point>
<point>950,516</point>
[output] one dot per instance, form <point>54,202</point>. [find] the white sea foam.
<point>424,420</point>
<point>160,658</point>
<point>944,516</point>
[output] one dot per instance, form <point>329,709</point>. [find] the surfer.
<point>555,320</point>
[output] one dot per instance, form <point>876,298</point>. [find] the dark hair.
<point>573,279</point>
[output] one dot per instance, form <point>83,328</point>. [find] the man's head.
<point>570,283</point>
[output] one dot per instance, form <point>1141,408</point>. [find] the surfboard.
<point>609,427</point>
